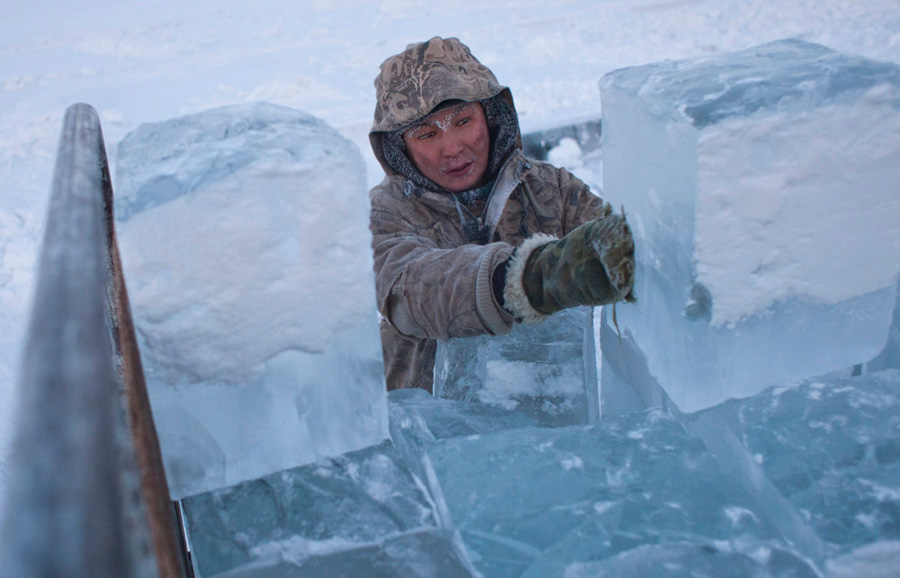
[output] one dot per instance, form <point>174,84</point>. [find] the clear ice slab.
<point>411,555</point>
<point>547,371</point>
<point>542,502</point>
<point>438,418</point>
<point>764,192</point>
<point>832,447</point>
<point>360,514</point>
<point>250,275</point>
<point>467,488</point>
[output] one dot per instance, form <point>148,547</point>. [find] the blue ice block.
<point>253,299</point>
<point>547,371</point>
<point>764,191</point>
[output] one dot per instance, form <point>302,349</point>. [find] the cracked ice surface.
<point>638,492</point>
<point>359,514</point>
<point>832,448</point>
<point>633,495</point>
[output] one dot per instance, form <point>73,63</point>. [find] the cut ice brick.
<point>547,371</point>
<point>764,191</point>
<point>245,243</point>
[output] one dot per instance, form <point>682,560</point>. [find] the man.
<point>469,236</point>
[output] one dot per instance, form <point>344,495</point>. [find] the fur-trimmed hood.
<point>415,82</point>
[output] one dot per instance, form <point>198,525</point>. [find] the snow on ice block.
<point>547,371</point>
<point>245,242</point>
<point>763,187</point>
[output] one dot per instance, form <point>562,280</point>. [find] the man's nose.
<point>451,145</point>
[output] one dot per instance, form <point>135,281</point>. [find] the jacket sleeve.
<point>580,205</point>
<point>428,292</point>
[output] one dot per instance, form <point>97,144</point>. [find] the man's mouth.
<point>460,171</point>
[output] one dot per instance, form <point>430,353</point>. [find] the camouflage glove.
<point>592,265</point>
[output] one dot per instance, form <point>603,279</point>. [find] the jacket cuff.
<point>514,296</point>
<point>495,319</point>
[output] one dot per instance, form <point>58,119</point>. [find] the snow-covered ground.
<point>139,62</point>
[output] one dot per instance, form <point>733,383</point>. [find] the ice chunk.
<point>444,418</point>
<point>764,190</point>
<point>741,467</point>
<point>536,501</point>
<point>361,514</point>
<point>411,555</point>
<point>418,418</point>
<point>547,371</point>
<point>245,242</point>
<point>890,355</point>
<point>693,559</point>
<point>832,448</point>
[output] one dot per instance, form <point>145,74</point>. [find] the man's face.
<point>451,147</point>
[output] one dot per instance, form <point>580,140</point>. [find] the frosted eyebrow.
<point>442,124</point>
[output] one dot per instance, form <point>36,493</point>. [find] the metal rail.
<point>87,494</point>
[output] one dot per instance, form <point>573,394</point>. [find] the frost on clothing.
<point>432,281</point>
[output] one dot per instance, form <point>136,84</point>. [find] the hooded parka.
<point>436,251</point>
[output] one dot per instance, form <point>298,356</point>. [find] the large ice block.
<point>547,371</point>
<point>640,494</point>
<point>245,243</point>
<point>764,191</point>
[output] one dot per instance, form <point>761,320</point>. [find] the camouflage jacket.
<point>433,276</point>
<point>433,283</point>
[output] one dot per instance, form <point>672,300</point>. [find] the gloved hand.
<point>592,265</point>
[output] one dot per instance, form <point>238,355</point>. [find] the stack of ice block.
<point>602,500</point>
<point>638,495</point>
<point>547,371</point>
<point>764,190</point>
<point>245,243</point>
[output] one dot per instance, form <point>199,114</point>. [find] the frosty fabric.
<point>245,246</point>
<point>431,277</point>
<point>743,175</point>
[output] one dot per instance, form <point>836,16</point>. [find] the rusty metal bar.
<point>87,494</point>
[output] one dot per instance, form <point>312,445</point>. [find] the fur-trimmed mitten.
<point>592,265</point>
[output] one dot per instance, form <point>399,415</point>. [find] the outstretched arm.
<point>426,291</point>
